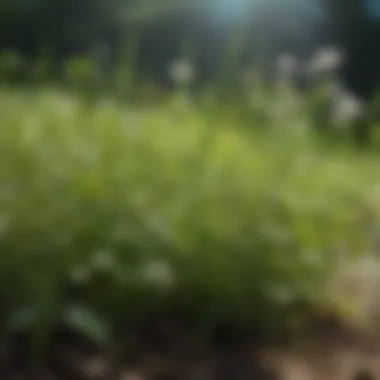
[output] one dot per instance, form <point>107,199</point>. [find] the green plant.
<point>116,210</point>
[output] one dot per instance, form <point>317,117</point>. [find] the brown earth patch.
<point>322,353</point>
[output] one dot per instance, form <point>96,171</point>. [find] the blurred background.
<point>189,189</point>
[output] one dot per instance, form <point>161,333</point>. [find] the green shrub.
<point>232,225</point>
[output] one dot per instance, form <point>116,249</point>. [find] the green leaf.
<point>87,323</point>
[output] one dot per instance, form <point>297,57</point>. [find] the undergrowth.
<point>109,211</point>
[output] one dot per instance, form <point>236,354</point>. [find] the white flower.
<point>182,71</point>
<point>158,273</point>
<point>104,260</point>
<point>326,60</point>
<point>282,294</point>
<point>80,274</point>
<point>347,107</point>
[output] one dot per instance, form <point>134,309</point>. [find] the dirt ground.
<point>173,353</point>
<point>326,359</point>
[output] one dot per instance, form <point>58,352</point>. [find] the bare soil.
<point>174,352</point>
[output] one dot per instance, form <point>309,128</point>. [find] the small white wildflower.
<point>347,108</point>
<point>80,274</point>
<point>326,60</point>
<point>182,71</point>
<point>158,273</point>
<point>282,294</point>
<point>103,260</point>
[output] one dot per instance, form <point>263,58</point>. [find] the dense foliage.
<point>225,211</point>
<point>109,211</point>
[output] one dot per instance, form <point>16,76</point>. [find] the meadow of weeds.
<point>109,211</point>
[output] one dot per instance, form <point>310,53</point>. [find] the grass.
<point>108,210</point>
